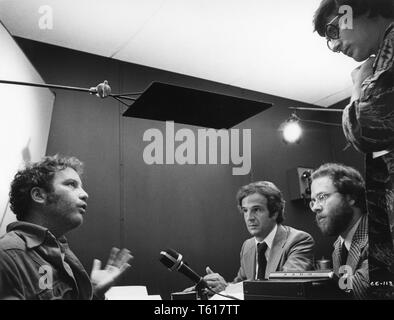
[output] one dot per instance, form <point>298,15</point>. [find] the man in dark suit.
<point>338,199</point>
<point>273,246</point>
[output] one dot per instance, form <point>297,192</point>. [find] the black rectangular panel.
<point>166,102</point>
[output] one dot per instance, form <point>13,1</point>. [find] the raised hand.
<point>104,279</point>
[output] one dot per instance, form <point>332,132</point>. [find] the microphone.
<point>102,90</point>
<point>173,261</point>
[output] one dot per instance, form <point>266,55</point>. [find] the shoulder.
<point>384,58</point>
<point>295,235</point>
<point>11,248</point>
<point>248,244</point>
<point>11,241</point>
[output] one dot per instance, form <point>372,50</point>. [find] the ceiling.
<point>262,45</point>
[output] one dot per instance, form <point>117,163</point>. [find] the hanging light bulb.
<point>291,129</point>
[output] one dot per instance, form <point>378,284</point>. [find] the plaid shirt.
<point>368,123</point>
<point>357,259</point>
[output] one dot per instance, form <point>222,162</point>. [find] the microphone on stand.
<point>173,261</point>
<point>102,90</point>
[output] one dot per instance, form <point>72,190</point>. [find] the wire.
<point>121,101</point>
<point>348,145</point>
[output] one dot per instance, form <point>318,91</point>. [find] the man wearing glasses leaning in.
<point>364,31</point>
<point>338,200</point>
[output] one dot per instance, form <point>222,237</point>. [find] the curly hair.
<point>347,181</point>
<point>39,174</point>
<point>374,8</point>
<point>275,201</point>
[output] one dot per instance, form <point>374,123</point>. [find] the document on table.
<point>233,289</point>
<point>130,293</point>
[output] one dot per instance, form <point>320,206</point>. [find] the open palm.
<point>103,279</point>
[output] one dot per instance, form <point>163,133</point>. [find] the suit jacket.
<point>357,259</point>
<point>292,249</point>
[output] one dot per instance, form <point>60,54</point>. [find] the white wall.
<point>25,117</point>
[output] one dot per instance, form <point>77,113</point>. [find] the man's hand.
<point>359,75</point>
<point>104,279</point>
<point>215,281</point>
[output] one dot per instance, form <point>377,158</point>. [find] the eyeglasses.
<point>332,32</point>
<point>321,199</point>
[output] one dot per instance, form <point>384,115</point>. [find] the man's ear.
<point>350,200</point>
<point>38,195</point>
<point>275,215</point>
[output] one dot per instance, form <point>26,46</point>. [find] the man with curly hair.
<point>35,260</point>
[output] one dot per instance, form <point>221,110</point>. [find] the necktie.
<point>344,253</point>
<point>261,260</point>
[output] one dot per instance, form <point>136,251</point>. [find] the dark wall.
<point>190,208</point>
<point>272,159</point>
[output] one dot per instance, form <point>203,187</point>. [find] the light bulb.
<point>292,132</point>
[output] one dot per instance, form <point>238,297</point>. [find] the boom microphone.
<point>173,261</point>
<point>102,90</point>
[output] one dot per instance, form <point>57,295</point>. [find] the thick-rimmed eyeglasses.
<point>332,32</point>
<point>320,199</point>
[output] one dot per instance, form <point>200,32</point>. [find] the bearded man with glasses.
<point>338,200</point>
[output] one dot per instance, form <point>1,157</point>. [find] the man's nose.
<point>249,215</point>
<point>316,207</point>
<point>84,195</point>
<point>336,45</point>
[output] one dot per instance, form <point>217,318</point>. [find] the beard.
<point>62,211</point>
<point>337,221</point>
